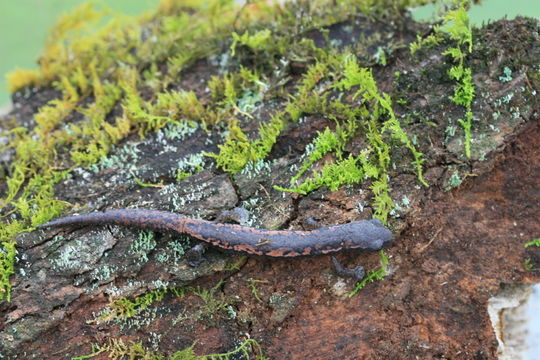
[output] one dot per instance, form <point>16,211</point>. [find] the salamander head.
<point>368,235</point>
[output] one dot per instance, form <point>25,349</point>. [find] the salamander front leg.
<point>357,273</point>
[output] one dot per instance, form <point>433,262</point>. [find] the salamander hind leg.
<point>194,256</point>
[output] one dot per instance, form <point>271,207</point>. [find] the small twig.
<point>430,241</point>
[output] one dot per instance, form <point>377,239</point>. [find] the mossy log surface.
<point>456,241</point>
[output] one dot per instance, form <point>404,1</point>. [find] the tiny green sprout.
<point>212,302</point>
<point>237,265</point>
<point>373,275</point>
<point>527,265</point>
<point>181,175</point>
<point>256,42</point>
<point>253,286</point>
<point>534,242</point>
<point>143,184</point>
<point>507,75</point>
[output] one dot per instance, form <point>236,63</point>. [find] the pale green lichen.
<point>507,75</point>
<point>143,245</point>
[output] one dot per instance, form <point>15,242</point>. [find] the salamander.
<point>366,235</point>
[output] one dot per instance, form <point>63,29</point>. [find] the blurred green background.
<point>24,24</point>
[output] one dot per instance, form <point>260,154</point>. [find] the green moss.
<point>256,42</point>
<point>145,184</point>
<point>252,283</point>
<point>117,349</point>
<point>534,242</point>
<point>315,73</point>
<point>457,27</point>
<point>373,275</point>
<point>464,91</point>
<point>332,176</point>
<point>376,120</point>
<point>96,135</point>
<point>429,41</point>
<point>224,89</point>
<point>325,142</point>
<point>467,124</point>
<point>527,265</point>
<point>53,114</point>
<point>238,150</point>
<point>7,256</point>
<point>122,307</point>
<point>212,302</point>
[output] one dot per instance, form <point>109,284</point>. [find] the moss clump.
<point>458,28</point>
<point>118,349</point>
<point>374,116</point>
<point>535,242</point>
<point>238,150</point>
<point>256,42</point>
<point>122,307</point>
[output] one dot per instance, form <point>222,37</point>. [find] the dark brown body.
<point>367,235</point>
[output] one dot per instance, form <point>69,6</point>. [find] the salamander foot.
<point>195,256</point>
<point>357,273</point>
